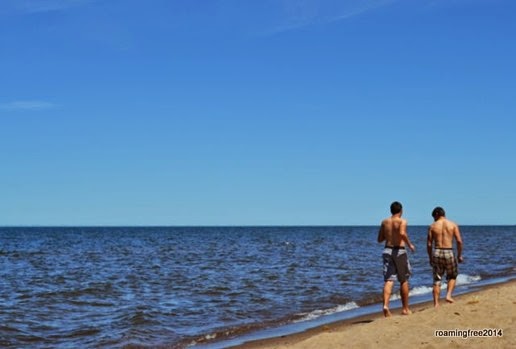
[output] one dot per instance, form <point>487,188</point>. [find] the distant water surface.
<point>122,287</point>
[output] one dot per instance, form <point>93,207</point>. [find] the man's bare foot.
<point>450,300</point>
<point>406,312</point>
<point>386,312</point>
<point>436,305</point>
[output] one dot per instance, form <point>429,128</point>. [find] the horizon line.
<point>231,225</point>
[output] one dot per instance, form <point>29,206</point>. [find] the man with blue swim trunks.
<point>396,266</point>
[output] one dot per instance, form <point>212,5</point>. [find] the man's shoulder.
<point>433,225</point>
<point>450,223</point>
<point>399,219</point>
<point>453,224</point>
<point>386,220</point>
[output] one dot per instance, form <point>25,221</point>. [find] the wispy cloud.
<point>296,14</point>
<point>39,6</point>
<point>32,105</point>
<point>88,22</point>
<point>362,7</point>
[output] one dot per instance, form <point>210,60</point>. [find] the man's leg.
<point>387,291</point>
<point>451,274</point>
<point>437,274</point>
<point>451,287</point>
<point>437,293</point>
<point>404,291</point>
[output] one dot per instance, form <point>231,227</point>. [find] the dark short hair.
<point>396,207</point>
<point>438,212</point>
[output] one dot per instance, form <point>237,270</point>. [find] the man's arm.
<point>404,236</point>
<point>381,234</point>
<point>429,242</point>
<point>458,239</point>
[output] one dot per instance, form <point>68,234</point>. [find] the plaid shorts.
<point>444,261</point>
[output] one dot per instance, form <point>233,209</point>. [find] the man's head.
<point>438,212</point>
<point>396,207</point>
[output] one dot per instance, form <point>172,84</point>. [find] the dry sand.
<point>492,307</point>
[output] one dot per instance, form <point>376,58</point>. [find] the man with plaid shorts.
<point>442,258</point>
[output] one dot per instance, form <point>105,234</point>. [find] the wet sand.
<point>492,307</point>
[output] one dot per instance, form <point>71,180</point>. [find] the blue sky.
<point>235,112</point>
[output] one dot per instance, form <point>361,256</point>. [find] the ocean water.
<point>173,287</point>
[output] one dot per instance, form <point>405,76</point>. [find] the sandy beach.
<point>490,308</point>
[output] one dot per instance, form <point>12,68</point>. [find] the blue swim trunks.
<point>396,264</point>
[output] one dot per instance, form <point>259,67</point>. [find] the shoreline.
<point>286,336</point>
<point>498,300</point>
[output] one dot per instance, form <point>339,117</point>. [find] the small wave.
<point>416,291</point>
<point>420,290</point>
<point>318,313</point>
<point>462,279</point>
<point>84,332</point>
<point>83,303</point>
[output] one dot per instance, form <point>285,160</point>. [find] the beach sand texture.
<point>490,308</point>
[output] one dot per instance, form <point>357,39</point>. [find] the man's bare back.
<point>392,230</point>
<point>443,260</point>
<point>442,233</point>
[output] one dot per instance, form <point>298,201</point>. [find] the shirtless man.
<point>442,259</point>
<point>393,231</point>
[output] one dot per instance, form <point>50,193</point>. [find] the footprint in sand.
<point>473,300</point>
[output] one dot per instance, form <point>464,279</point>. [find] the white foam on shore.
<point>462,279</point>
<point>318,313</point>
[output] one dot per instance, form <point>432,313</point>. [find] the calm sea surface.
<point>173,287</point>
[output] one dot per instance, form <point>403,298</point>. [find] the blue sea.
<point>177,287</point>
